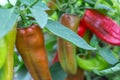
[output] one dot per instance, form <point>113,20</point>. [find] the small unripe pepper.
<point>66,50</point>
<point>102,26</point>
<point>95,63</point>
<point>30,45</point>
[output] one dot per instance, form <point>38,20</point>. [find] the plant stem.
<point>33,3</point>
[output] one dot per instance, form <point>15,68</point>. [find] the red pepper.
<point>81,29</point>
<point>84,32</point>
<point>102,26</point>
<point>55,59</point>
<point>30,44</point>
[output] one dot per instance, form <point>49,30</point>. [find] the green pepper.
<point>96,63</point>
<point>6,73</point>
<point>3,51</point>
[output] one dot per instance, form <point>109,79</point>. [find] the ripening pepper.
<point>102,26</point>
<point>6,73</point>
<point>30,45</point>
<point>66,50</point>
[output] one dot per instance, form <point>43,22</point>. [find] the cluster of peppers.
<point>30,44</point>
<point>99,24</point>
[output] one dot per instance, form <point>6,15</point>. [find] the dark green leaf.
<point>57,72</point>
<point>40,16</point>
<point>16,59</point>
<point>109,2</point>
<point>18,3</point>
<point>50,42</point>
<point>94,41</point>
<point>67,34</point>
<point>108,56</point>
<point>89,2</point>
<point>50,45</point>
<point>8,17</point>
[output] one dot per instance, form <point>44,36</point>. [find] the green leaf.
<point>57,72</point>
<point>28,2</point>
<point>40,5</point>
<point>40,16</point>
<point>89,2</point>
<point>67,34</point>
<point>111,70</point>
<point>104,7</point>
<point>16,59</point>
<point>50,41</point>
<point>94,41</point>
<point>108,56</point>
<point>109,2</point>
<point>8,17</point>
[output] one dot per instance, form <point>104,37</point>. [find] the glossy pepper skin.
<point>6,73</point>
<point>66,50</point>
<point>30,45</point>
<point>102,26</point>
<point>82,29</point>
<point>84,32</point>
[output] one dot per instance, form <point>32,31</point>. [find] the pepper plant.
<point>83,35</point>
